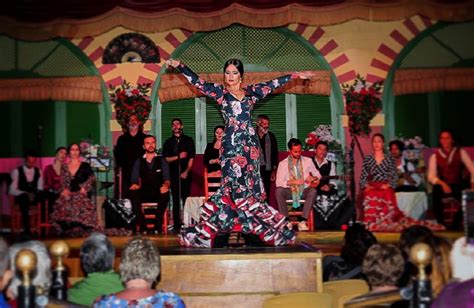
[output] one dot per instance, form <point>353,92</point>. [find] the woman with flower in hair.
<point>240,201</point>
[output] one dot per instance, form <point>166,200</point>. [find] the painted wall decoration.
<point>131,47</point>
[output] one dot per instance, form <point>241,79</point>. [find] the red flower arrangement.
<point>131,100</point>
<point>362,104</point>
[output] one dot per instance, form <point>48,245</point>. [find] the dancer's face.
<point>296,151</point>
<point>149,144</point>
<point>219,133</point>
<point>232,76</point>
<point>377,144</point>
<point>446,140</point>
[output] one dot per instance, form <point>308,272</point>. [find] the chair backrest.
<point>343,290</point>
<point>300,300</point>
<point>374,299</point>
<point>212,182</point>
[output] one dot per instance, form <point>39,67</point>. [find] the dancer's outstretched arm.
<point>209,89</point>
<point>261,90</point>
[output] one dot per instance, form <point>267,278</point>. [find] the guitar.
<point>315,183</point>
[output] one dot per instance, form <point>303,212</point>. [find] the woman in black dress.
<point>212,153</point>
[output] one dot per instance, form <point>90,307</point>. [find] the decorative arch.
<point>445,52</point>
<point>278,59</point>
<point>57,58</point>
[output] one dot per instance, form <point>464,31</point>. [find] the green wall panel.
<point>183,109</point>
<point>311,111</point>
<point>82,122</point>
<point>411,116</point>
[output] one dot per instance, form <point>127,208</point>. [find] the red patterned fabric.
<point>382,214</point>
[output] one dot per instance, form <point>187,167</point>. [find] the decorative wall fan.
<point>131,47</point>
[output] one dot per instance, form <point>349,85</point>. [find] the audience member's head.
<point>42,279</point>
<point>97,254</point>
<point>414,235</point>
<point>439,270</point>
<point>383,266</point>
<point>357,241</point>
<point>462,260</point>
<point>140,260</point>
<point>5,272</point>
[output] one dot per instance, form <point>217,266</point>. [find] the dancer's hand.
<point>134,187</point>
<point>385,186</point>
<point>164,189</point>
<point>305,74</point>
<point>183,155</point>
<point>172,63</point>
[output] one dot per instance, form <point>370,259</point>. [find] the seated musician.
<point>296,179</point>
<point>150,183</point>
<point>409,178</point>
<point>328,203</point>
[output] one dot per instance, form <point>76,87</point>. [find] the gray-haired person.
<point>139,269</point>
<point>97,259</point>
<point>5,272</point>
<point>42,279</point>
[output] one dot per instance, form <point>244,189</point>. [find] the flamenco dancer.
<point>239,203</point>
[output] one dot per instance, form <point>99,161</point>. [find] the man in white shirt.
<point>27,187</point>
<point>297,178</point>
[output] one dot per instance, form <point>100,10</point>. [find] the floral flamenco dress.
<point>381,212</point>
<point>239,202</point>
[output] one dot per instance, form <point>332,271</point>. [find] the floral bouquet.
<point>131,100</point>
<point>362,104</point>
<point>322,133</point>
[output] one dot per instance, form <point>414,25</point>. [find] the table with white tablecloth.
<point>192,210</point>
<point>413,204</point>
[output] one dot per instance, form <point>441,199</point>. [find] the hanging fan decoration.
<point>131,47</point>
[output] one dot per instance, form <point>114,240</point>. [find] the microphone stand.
<point>179,179</point>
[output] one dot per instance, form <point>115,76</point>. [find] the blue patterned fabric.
<point>239,203</point>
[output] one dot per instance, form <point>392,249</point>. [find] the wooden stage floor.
<point>329,242</point>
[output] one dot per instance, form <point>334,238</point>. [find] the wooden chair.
<point>300,300</point>
<point>344,290</point>
<point>16,218</point>
<point>295,214</point>
<point>212,182</point>
<point>374,299</point>
<point>150,217</point>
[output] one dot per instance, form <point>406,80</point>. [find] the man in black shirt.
<point>128,149</point>
<point>179,151</point>
<point>150,183</point>
<point>268,152</point>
